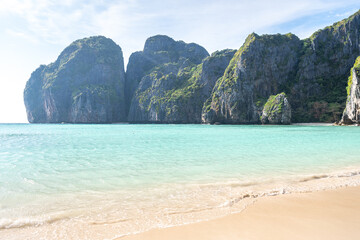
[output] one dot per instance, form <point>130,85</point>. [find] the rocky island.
<point>84,85</point>
<point>271,79</point>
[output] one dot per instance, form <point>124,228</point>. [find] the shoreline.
<point>324,214</point>
<point>229,218</point>
<point>313,124</point>
<point>166,123</point>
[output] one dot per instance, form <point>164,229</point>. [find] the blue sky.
<point>34,32</point>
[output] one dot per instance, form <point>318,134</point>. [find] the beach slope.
<point>332,214</point>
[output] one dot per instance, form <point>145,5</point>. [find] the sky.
<point>34,32</point>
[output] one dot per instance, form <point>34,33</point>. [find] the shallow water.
<point>137,177</point>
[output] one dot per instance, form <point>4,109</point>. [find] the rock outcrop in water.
<point>276,110</point>
<point>84,85</point>
<point>168,82</point>
<point>351,113</point>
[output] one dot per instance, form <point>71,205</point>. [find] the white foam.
<point>6,223</point>
<point>189,204</point>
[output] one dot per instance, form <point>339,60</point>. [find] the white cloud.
<point>211,23</point>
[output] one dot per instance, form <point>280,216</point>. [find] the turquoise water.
<point>102,173</point>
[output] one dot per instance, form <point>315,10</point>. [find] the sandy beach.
<point>331,214</point>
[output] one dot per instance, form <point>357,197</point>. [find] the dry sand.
<point>332,214</point>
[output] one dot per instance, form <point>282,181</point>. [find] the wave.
<point>243,195</point>
<point>296,186</point>
<point>336,175</point>
<point>7,223</point>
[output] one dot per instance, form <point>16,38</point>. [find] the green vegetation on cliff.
<point>166,90</point>
<point>355,68</point>
<point>319,92</point>
<point>272,106</point>
<point>276,110</point>
<point>351,114</point>
<point>264,65</point>
<point>312,72</point>
<point>184,83</point>
<point>175,90</point>
<point>176,82</point>
<point>230,75</point>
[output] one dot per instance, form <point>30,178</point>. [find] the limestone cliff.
<point>312,73</point>
<point>176,82</point>
<point>351,113</point>
<point>168,82</point>
<point>84,85</point>
<point>263,66</point>
<point>319,90</point>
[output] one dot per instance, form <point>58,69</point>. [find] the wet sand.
<point>331,214</point>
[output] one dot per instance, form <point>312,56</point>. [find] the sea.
<point>74,181</point>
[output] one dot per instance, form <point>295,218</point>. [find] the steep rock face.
<point>319,91</point>
<point>312,72</point>
<point>84,85</point>
<point>158,50</point>
<point>351,113</point>
<point>171,86</point>
<point>139,64</point>
<point>172,82</point>
<point>277,110</point>
<point>263,66</point>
